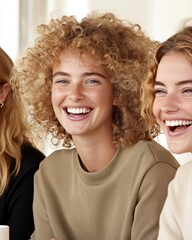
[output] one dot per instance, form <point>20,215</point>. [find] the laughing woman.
<point>19,160</point>
<point>170,93</point>
<point>82,80</point>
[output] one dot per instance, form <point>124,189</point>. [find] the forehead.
<point>74,56</point>
<point>72,59</point>
<point>174,65</point>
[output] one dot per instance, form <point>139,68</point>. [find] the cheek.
<point>98,97</point>
<point>56,97</point>
<point>187,106</point>
<point>56,104</point>
<point>156,109</point>
<point>106,101</point>
<point>53,102</point>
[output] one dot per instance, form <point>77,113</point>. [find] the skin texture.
<point>82,98</point>
<point>173,100</point>
<point>85,87</point>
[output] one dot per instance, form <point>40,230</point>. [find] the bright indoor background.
<point>19,18</point>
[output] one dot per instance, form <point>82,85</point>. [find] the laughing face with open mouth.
<point>82,96</point>
<point>173,100</point>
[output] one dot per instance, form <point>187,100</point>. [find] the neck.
<point>95,156</point>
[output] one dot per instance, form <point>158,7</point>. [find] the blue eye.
<point>160,92</point>
<point>92,81</point>
<point>61,81</point>
<point>187,91</point>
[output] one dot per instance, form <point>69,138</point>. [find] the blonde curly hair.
<point>122,47</point>
<point>179,42</point>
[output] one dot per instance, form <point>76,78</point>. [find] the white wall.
<point>9,26</point>
<point>159,19</point>
<point>167,15</point>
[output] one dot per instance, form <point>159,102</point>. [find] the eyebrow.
<point>177,84</point>
<point>86,74</point>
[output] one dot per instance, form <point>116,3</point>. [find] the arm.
<point>151,198</point>
<point>19,207</point>
<point>174,217</point>
<point>19,195</point>
<point>42,225</point>
<point>169,228</point>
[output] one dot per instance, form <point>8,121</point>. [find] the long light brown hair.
<point>13,129</point>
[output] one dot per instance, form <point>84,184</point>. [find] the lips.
<point>178,125</point>
<point>77,111</point>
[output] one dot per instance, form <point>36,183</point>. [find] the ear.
<point>114,101</point>
<point>5,90</point>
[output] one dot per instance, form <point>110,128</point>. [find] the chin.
<point>179,149</point>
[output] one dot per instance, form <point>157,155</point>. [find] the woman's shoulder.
<point>31,155</point>
<point>29,148</point>
<point>58,162</point>
<point>61,155</point>
<point>183,179</point>
<point>185,170</point>
<point>157,153</point>
<point>153,145</point>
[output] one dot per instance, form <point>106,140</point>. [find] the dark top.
<point>16,202</point>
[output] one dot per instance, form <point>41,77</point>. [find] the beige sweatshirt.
<point>121,201</point>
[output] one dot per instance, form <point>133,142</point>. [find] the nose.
<point>170,104</point>
<point>76,93</point>
<point>169,108</point>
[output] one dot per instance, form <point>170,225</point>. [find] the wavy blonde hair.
<point>13,130</point>
<point>179,42</point>
<point>122,47</point>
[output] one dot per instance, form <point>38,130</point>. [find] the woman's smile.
<point>83,90</point>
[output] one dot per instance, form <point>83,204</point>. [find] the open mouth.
<point>78,111</point>
<point>178,125</point>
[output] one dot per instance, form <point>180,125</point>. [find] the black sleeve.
<point>19,215</point>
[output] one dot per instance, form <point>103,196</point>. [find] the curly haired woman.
<point>19,160</point>
<point>169,95</point>
<point>82,80</point>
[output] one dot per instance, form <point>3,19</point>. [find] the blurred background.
<point>19,19</point>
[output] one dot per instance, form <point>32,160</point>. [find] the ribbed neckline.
<point>95,178</point>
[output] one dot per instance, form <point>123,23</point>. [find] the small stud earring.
<point>1,105</point>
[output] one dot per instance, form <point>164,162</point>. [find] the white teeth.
<point>177,123</point>
<point>78,110</point>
